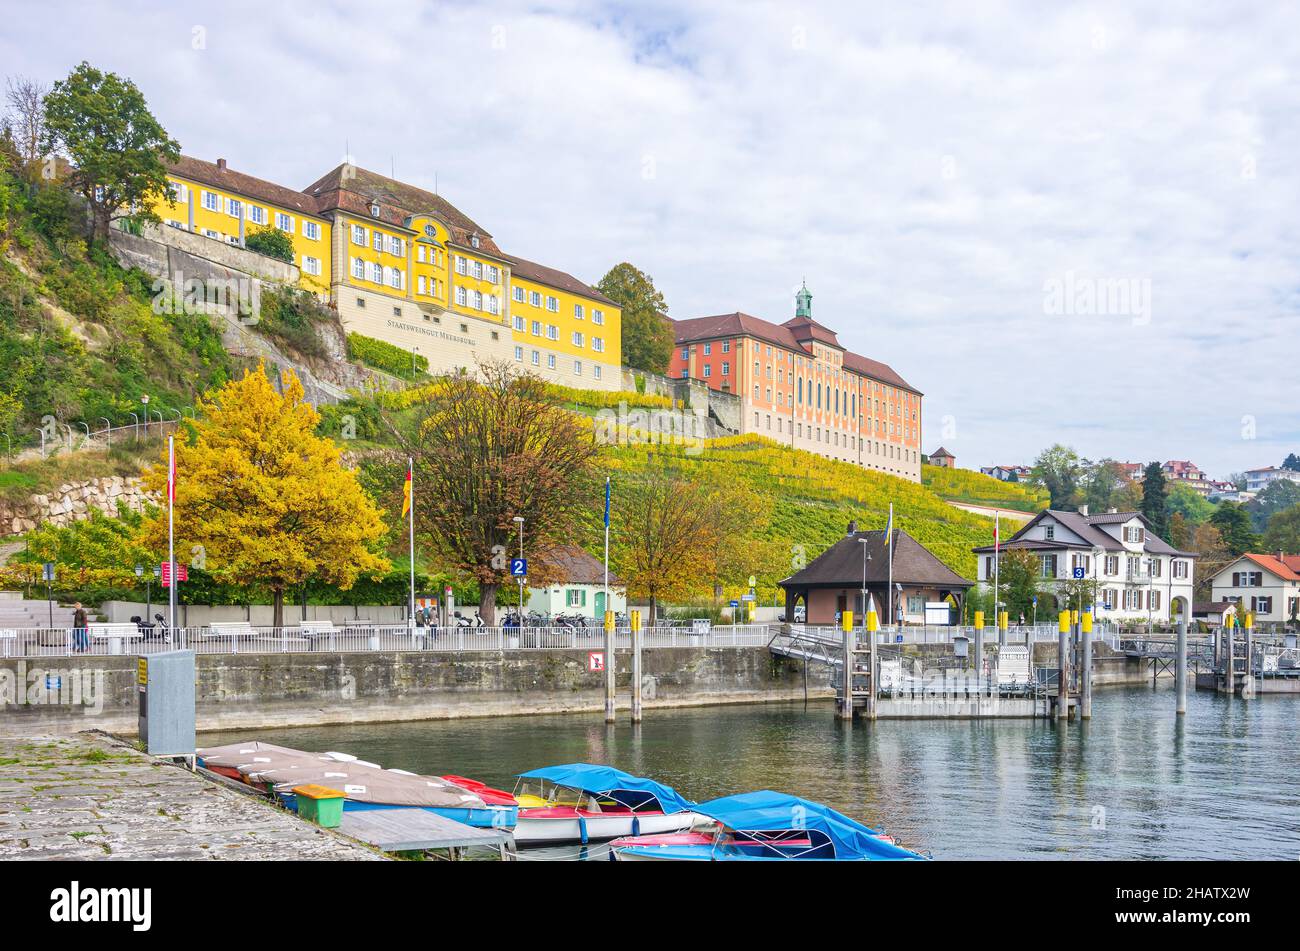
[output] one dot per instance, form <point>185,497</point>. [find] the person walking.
<point>80,642</point>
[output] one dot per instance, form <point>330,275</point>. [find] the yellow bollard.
<point>609,620</point>
<point>873,622</point>
<point>1250,620</point>
<point>846,621</point>
<point>1004,620</point>
<point>1064,622</point>
<point>634,620</point>
<point>979,620</point>
<point>1087,622</point>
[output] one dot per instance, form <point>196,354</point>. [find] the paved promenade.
<point>86,796</point>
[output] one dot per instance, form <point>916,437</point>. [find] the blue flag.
<point>607,501</point>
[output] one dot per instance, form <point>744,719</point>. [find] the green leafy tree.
<point>118,150</point>
<point>1279,495</point>
<point>647,334</point>
<point>1018,575</point>
<point>1154,502</point>
<point>1183,500</point>
<point>1292,462</point>
<point>1233,522</point>
<point>272,242</point>
<point>1060,471</point>
<point>1283,532</point>
<point>1102,482</point>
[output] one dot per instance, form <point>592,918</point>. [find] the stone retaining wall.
<point>72,502</point>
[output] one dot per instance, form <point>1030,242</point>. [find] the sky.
<point>1062,223</point>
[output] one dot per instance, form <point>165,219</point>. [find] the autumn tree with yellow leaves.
<point>263,498</point>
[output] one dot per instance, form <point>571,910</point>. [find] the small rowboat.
<point>582,802</point>
<point>765,826</point>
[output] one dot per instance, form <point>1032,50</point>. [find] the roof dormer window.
<point>374,209</point>
<point>473,240</point>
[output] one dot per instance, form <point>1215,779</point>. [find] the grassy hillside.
<point>803,504</point>
<point>963,485</point>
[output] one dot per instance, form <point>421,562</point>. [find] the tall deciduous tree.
<point>25,99</point>
<point>486,449</point>
<point>1154,501</point>
<point>263,500</point>
<point>1213,555</point>
<point>647,334</point>
<point>1283,532</point>
<point>1060,471</point>
<point>1233,523</point>
<point>117,148</point>
<point>672,532</point>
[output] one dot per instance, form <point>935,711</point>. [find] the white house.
<point>1135,574</point>
<point>579,586</point>
<point>1008,473</point>
<point>1266,585</point>
<point>1257,480</point>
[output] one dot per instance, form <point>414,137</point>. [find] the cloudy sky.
<point>1068,223</point>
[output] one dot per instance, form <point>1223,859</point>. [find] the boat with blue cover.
<point>766,826</point>
<point>586,802</point>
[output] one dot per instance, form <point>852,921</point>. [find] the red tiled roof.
<point>210,173</point>
<point>531,270</point>
<point>1287,569</point>
<point>569,564</point>
<point>740,324</point>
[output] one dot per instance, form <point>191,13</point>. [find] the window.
<point>597,316</point>
<point>477,300</point>
<point>577,312</point>
<point>311,230</point>
<point>552,332</point>
<point>595,370</point>
<point>519,324</point>
<point>1134,533</point>
<point>575,598</point>
<point>493,275</point>
<point>550,361</point>
<point>460,296</point>
<point>1047,566</point>
<point>1262,605</point>
<point>257,214</point>
<point>577,338</point>
<point>726,346</point>
<point>708,370</point>
<point>537,358</point>
<point>708,349</point>
<point>1247,579</point>
<point>284,222</point>
<point>395,278</point>
<point>311,265</point>
<point>419,284</point>
<point>359,269</point>
<point>577,368</point>
<point>598,344</point>
<point>1049,532</point>
<point>211,201</point>
<point>553,305</point>
<point>1112,565</point>
<point>1179,569</point>
<point>519,293</point>
<point>519,354</point>
<point>478,270</point>
<point>726,368</point>
<point>535,298</point>
<point>361,302</point>
<point>359,235</point>
<point>234,207</point>
<point>462,265</point>
<point>686,353</point>
<point>377,273</point>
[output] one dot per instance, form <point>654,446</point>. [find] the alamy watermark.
<point>1075,295</point>
<point>659,427</point>
<point>239,297</point>
<point>40,686</point>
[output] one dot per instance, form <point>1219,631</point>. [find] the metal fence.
<point>944,634</point>
<point>233,638</point>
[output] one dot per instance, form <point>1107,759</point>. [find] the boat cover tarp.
<point>283,768</point>
<point>768,811</point>
<point>608,781</point>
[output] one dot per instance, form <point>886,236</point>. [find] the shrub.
<point>385,356</point>
<point>272,242</point>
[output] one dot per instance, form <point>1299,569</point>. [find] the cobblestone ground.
<point>87,796</point>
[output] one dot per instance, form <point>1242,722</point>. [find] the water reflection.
<point>1135,782</point>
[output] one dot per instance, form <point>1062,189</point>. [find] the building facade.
<point>1008,473</point>
<point>1257,480</point>
<point>1135,574</point>
<point>404,265</point>
<point>1268,586</point>
<point>799,386</point>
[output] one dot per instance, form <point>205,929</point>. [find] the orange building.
<point>799,386</point>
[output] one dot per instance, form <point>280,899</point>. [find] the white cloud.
<point>927,169</point>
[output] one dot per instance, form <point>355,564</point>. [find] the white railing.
<point>234,638</point>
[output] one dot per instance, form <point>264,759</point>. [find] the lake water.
<point>1135,783</point>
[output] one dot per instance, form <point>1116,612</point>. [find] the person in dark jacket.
<point>80,642</point>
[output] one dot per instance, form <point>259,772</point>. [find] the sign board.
<point>747,597</point>
<point>47,571</point>
<point>752,581</point>
<point>1078,573</point>
<point>595,661</point>
<point>182,573</point>
<point>701,625</point>
<point>518,567</point>
<point>734,603</point>
<point>938,612</point>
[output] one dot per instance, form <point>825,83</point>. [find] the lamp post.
<point>866,557</point>
<point>519,520</point>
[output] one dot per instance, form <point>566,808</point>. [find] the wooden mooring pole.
<point>609,667</point>
<point>1085,665</point>
<point>979,660</point>
<point>1063,666</point>
<point>634,622</point>
<point>845,711</point>
<point>1180,666</point>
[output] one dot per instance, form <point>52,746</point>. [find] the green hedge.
<point>384,356</point>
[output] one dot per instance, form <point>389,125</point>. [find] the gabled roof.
<point>840,566</point>
<point>569,564</point>
<point>942,452</point>
<point>1288,568</point>
<point>226,178</point>
<point>805,328</point>
<point>352,189</point>
<point>740,324</point>
<point>1086,527</point>
<point>532,271</point>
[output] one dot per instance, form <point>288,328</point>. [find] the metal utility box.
<point>960,646</point>
<point>165,682</point>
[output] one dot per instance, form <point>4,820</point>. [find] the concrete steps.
<point>18,613</point>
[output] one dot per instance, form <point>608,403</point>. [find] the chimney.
<point>853,527</point>
<point>1083,510</point>
<point>1111,511</point>
<point>221,164</point>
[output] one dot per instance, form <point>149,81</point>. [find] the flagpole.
<point>997,564</point>
<point>609,628</point>
<point>410,513</point>
<point>889,542</point>
<point>171,533</point>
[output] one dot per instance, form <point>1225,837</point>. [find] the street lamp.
<point>519,520</point>
<point>866,557</point>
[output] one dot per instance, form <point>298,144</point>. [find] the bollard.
<point>634,622</point>
<point>979,659</point>
<point>1004,622</point>
<point>1180,666</point>
<point>846,687</point>
<point>1230,664</point>
<point>609,666</point>
<point>873,625</point>
<point>1248,676</point>
<point>1085,671</point>
<point>1063,666</point>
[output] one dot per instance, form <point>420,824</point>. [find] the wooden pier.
<point>419,830</point>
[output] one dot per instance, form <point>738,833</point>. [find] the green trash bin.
<point>320,804</point>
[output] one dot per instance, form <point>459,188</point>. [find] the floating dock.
<point>418,830</point>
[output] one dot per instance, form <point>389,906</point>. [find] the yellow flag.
<point>406,494</point>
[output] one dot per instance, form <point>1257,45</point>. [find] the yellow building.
<point>404,265</point>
